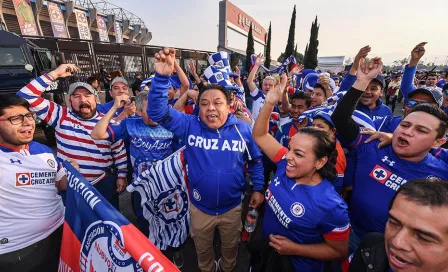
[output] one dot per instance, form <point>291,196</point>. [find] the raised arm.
<point>350,77</point>
<point>407,82</point>
<point>157,108</point>
<point>99,132</point>
<point>260,133</point>
<point>250,80</point>
<point>47,110</point>
<point>347,129</point>
<point>192,70</point>
<point>184,82</point>
<point>183,99</point>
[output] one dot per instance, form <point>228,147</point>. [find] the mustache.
<point>85,105</point>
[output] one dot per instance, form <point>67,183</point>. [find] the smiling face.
<point>431,81</point>
<point>298,106</point>
<point>416,135</point>
<point>301,158</point>
<point>317,97</point>
<point>416,237</point>
<point>83,103</point>
<point>371,94</point>
<point>213,108</point>
<point>119,88</point>
<point>268,84</point>
<point>16,136</point>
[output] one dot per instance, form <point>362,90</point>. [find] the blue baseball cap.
<point>325,116</point>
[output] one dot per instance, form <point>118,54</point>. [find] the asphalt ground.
<point>188,249</point>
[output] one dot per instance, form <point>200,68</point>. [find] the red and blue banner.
<point>97,237</point>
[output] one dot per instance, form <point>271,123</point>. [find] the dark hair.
<point>426,192</point>
<point>11,100</point>
<point>323,147</point>
<point>302,95</point>
<point>318,85</point>
<point>432,74</point>
<point>91,79</point>
<point>215,87</point>
<point>436,112</point>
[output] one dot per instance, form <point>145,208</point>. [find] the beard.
<point>85,115</point>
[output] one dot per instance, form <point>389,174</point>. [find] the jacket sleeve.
<point>47,110</point>
<point>407,82</point>
<point>159,111</point>
<point>347,129</point>
<point>347,83</point>
<point>255,165</point>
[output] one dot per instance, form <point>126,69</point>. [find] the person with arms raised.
<point>305,217</point>
<point>381,172</point>
<point>217,146</point>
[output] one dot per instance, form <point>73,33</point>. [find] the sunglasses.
<point>18,119</point>
<point>413,103</point>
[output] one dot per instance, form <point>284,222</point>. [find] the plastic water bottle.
<point>251,220</point>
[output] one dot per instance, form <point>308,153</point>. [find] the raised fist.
<point>64,70</point>
<point>164,61</point>
<point>418,51</point>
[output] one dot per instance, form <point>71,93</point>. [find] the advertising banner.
<point>97,237</point>
<point>57,20</point>
<point>83,25</point>
<point>241,21</point>
<point>102,29</point>
<point>118,33</point>
<point>25,16</point>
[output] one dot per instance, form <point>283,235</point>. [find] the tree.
<point>312,50</point>
<point>250,48</point>
<point>267,62</point>
<point>292,30</point>
<point>306,53</point>
<point>297,55</point>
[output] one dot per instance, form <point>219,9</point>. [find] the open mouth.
<point>212,117</point>
<point>397,261</point>
<point>290,167</point>
<point>27,133</point>
<point>402,142</point>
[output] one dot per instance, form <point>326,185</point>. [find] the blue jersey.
<point>148,144</point>
<point>215,157</point>
<point>304,214</point>
<point>379,174</point>
<point>388,124</point>
<point>104,108</point>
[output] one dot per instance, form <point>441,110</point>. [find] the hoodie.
<point>215,157</point>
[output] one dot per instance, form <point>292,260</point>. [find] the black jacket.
<point>370,255</point>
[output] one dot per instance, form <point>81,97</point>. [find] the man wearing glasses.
<point>426,95</point>
<point>31,211</point>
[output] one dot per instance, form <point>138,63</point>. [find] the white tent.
<point>334,64</point>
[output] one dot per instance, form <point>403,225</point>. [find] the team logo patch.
<point>267,194</point>
<point>433,178</point>
<point>380,174</point>
<point>51,163</point>
<point>23,179</point>
<point>196,195</point>
<point>297,209</point>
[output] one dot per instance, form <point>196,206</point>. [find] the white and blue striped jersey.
<point>165,203</point>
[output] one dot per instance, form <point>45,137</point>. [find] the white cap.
<point>119,79</point>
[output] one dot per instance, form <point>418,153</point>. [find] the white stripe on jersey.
<point>258,102</point>
<point>165,201</point>
<point>73,134</point>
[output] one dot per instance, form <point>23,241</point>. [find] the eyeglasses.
<point>18,119</point>
<point>413,103</point>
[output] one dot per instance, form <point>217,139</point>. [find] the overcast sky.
<point>391,27</point>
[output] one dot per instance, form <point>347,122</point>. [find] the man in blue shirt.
<point>381,172</point>
<point>119,87</point>
<point>218,145</point>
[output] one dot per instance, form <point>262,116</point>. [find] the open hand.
<point>297,70</point>
<point>259,60</point>
<point>362,54</point>
<point>164,61</point>
<point>383,137</point>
